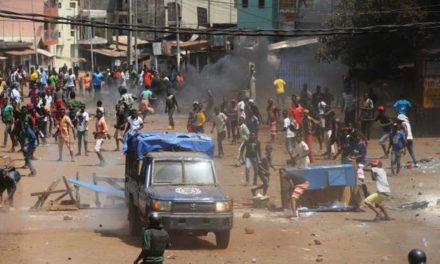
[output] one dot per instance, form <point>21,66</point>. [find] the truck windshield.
<point>187,172</point>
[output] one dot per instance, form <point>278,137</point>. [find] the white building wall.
<point>221,11</point>
<point>66,47</point>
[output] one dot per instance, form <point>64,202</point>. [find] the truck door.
<point>144,177</point>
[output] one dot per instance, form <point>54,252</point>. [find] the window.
<point>198,172</point>
<point>59,34</point>
<point>72,5</point>
<point>245,3</point>
<point>59,5</point>
<point>72,33</point>
<point>139,21</point>
<point>260,3</point>
<point>167,172</point>
<point>188,172</point>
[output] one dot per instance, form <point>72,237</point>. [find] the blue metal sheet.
<point>97,188</point>
<point>324,176</point>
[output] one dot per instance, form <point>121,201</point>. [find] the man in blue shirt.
<point>397,146</point>
<point>43,79</point>
<point>402,106</point>
<point>97,78</point>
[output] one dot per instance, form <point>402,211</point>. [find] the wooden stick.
<point>46,192</point>
<point>68,189</point>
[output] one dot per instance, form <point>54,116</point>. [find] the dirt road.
<point>101,235</point>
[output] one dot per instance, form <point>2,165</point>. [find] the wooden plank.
<point>95,181</point>
<point>47,192</point>
<point>77,195</point>
<point>69,191</point>
<point>61,196</point>
<point>42,199</point>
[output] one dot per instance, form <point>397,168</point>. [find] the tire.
<point>222,239</point>
<point>134,225</point>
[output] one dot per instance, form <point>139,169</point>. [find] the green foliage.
<point>375,52</point>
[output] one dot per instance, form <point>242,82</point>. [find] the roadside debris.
<point>414,205</point>
<point>249,231</point>
<point>67,218</point>
<point>246,215</point>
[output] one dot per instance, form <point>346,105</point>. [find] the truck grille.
<point>193,207</point>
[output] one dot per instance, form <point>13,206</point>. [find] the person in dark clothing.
<point>263,174</point>
<point>386,123</point>
<point>252,156</point>
<point>9,179</point>
<point>155,241</point>
<point>170,106</point>
<point>297,185</point>
<point>316,98</point>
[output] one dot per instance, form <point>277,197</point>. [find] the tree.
<point>377,52</point>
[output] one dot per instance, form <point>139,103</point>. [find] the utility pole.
<point>92,62</point>
<point>136,36</point>
<point>130,22</point>
<point>35,37</point>
<point>155,34</point>
<point>209,13</point>
<point>177,36</point>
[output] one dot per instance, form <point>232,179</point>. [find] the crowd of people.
<point>50,108</point>
<point>311,118</point>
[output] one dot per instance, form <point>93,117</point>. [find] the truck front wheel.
<point>222,239</point>
<point>134,225</point>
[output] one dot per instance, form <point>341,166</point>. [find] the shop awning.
<point>45,53</point>
<point>108,52</point>
<point>72,59</point>
<point>24,52</point>
<point>293,43</point>
<point>192,45</point>
<point>95,40</point>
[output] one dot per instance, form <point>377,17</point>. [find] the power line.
<point>235,32</point>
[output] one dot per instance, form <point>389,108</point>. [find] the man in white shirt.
<point>240,108</point>
<point>219,123</point>
<point>70,84</point>
<point>406,125</point>
<point>302,156</point>
<point>15,94</point>
<point>379,175</point>
<point>244,133</point>
<point>289,127</point>
<point>82,128</point>
<point>135,123</point>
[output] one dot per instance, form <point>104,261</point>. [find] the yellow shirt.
<point>33,76</point>
<point>279,86</point>
<point>200,119</point>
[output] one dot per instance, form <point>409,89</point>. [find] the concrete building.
<point>144,12</point>
<point>62,39</point>
<point>257,14</point>
<point>200,13</point>
<point>283,14</point>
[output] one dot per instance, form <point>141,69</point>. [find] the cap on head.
<point>416,256</point>
<point>381,108</point>
<point>154,220</point>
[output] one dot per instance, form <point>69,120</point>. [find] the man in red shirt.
<point>148,77</point>
<point>296,111</point>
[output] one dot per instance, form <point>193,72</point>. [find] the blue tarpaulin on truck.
<point>321,177</point>
<point>146,142</point>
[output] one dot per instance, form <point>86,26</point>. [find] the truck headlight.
<point>163,206</point>
<point>223,206</point>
